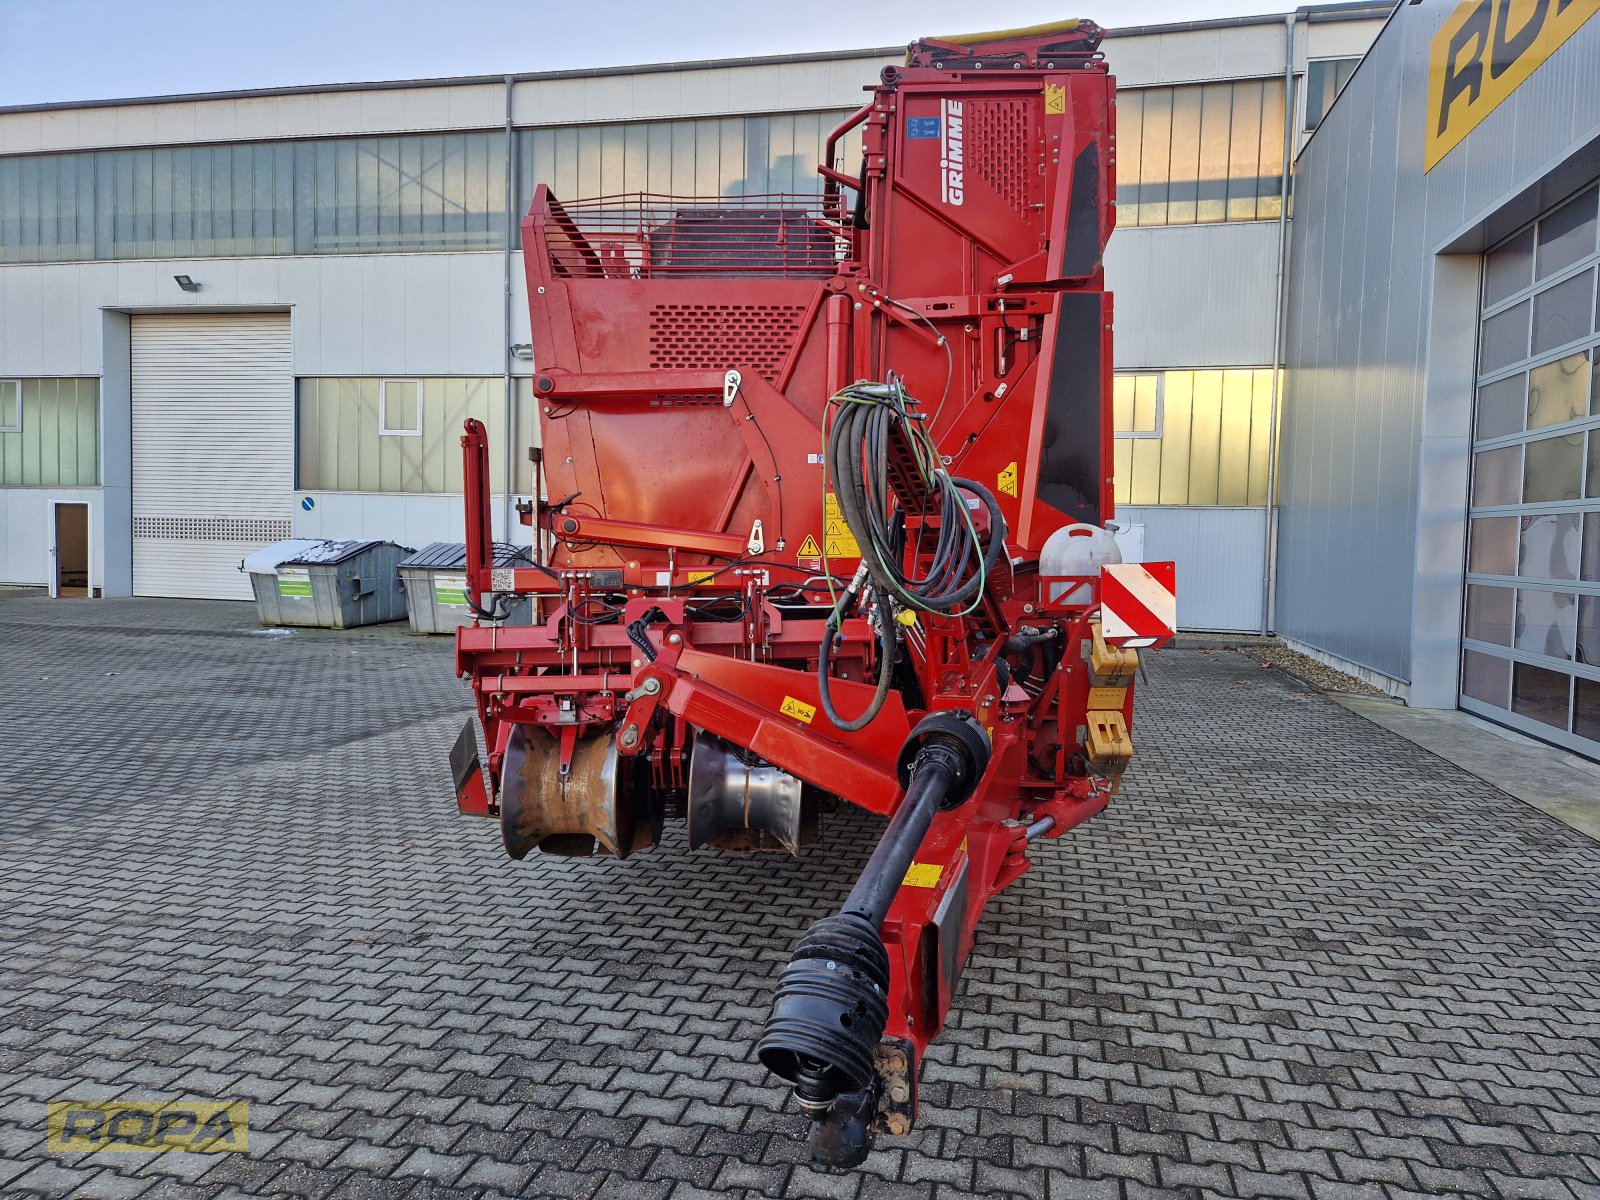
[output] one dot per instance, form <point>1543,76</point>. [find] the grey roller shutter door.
<point>213,449</point>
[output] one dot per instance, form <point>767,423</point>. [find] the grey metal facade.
<point>1383,299</point>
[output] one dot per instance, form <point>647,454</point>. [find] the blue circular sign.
<point>308,503</point>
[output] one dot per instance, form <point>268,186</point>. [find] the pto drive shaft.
<point>831,1005</point>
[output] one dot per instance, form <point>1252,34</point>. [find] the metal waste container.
<point>328,584</point>
<point>262,568</point>
<point>435,583</point>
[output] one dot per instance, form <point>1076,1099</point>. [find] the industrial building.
<point>1439,505</point>
<point>229,318</point>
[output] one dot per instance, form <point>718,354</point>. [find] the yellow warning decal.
<point>840,541</point>
<point>809,548</point>
<point>700,577</point>
<point>1055,98</point>
<point>1008,478</point>
<point>923,875</point>
<point>798,709</point>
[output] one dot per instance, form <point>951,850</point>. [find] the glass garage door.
<point>1531,654</point>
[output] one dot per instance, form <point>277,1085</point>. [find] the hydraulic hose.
<point>857,457</point>
<point>870,416</point>
<point>888,644</point>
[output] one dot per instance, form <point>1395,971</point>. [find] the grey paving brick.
<point>307,1182</point>
<point>108,1185</point>
<point>513,1178</point>
<point>436,1168</point>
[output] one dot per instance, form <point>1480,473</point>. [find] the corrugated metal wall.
<point>1194,295</point>
<point>1356,478</point>
<point>1221,558</point>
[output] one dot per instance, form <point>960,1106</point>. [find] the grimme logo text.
<point>79,1127</point>
<point>951,169</point>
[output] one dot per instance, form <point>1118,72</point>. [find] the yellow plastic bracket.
<point>1110,664</point>
<point>1109,744</point>
<point>1108,697</point>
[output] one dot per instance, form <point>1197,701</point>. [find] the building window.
<point>342,428</point>
<point>367,195</point>
<point>427,192</point>
<point>10,406</point>
<point>705,156</point>
<point>1136,404</point>
<point>1207,441</point>
<point>1325,77</point>
<point>327,196</point>
<point>400,407</point>
<point>49,433</point>
<point>1531,632</point>
<point>1200,153</point>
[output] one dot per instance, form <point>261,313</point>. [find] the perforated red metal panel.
<point>710,336</point>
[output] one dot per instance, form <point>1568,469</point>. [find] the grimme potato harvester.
<point>819,517</point>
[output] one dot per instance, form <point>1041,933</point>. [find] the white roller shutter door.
<point>213,450</point>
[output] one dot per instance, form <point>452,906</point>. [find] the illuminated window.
<point>1200,153</point>
<point>1136,405</point>
<point>1192,437</point>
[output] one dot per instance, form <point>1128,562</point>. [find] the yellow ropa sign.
<point>204,1126</point>
<point>1480,55</point>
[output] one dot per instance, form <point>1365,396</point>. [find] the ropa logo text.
<point>952,171</point>
<point>198,1126</point>
<point>1482,53</point>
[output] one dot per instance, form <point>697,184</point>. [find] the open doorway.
<point>71,574</point>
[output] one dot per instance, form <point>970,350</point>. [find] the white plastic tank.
<point>1077,550</point>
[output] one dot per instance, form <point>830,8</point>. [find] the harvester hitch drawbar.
<point>832,1002</point>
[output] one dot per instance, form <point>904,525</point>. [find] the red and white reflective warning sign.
<point>1138,603</point>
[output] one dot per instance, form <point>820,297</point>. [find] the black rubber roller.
<point>829,1012</point>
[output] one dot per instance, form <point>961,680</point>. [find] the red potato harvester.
<point>827,483</point>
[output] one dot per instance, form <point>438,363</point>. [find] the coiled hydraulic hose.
<point>857,461</point>
<point>857,450</point>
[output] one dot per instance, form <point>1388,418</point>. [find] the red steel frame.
<point>996,304</point>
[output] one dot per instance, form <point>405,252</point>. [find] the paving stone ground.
<point>1299,957</point>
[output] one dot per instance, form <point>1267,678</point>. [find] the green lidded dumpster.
<point>435,583</point>
<point>327,584</point>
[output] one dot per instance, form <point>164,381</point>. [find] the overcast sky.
<point>97,49</point>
